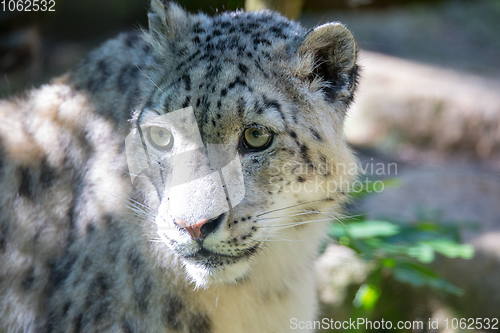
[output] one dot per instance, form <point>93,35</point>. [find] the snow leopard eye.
<point>257,138</point>
<point>161,138</point>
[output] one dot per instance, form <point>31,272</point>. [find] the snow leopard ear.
<point>331,52</point>
<point>166,19</point>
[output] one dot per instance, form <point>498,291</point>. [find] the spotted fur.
<point>80,249</point>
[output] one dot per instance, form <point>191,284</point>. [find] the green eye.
<point>160,138</point>
<point>257,137</point>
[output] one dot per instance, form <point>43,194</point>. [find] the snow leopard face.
<point>241,139</point>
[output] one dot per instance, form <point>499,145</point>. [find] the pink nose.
<point>193,229</point>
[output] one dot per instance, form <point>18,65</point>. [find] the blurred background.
<point>428,102</point>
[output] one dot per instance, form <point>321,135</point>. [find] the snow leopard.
<point>97,231</point>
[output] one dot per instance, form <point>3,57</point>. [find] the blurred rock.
<point>465,198</point>
<point>405,102</point>
<point>479,278</point>
<point>337,269</point>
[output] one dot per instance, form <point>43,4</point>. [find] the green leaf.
<point>420,276</point>
<point>451,249</point>
<point>367,296</point>
<point>389,262</point>
<point>366,229</point>
<point>422,252</point>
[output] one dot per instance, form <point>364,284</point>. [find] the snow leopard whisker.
<point>325,211</point>
<point>276,237</point>
<point>290,223</point>
<point>305,212</point>
<point>288,207</point>
<point>300,212</point>
<point>294,224</point>
<point>147,77</point>
<point>139,209</point>
<point>280,238</point>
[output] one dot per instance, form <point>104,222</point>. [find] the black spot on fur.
<point>127,327</point>
<point>141,294</point>
<point>47,174</point>
<point>59,272</point>
<point>166,104</point>
<point>304,150</point>
<point>213,71</point>
<point>99,80</point>
<point>26,187</point>
<point>259,109</point>
<point>196,40</point>
<point>28,280</point>
<point>241,106</point>
<point>187,81</point>
<point>194,55</point>
<point>99,287</point>
<point>115,240</point>
<point>316,134</point>
<point>293,134</point>
<point>200,323</point>
<point>264,73</point>
<point>172,306</point>
<point>87,262</point>
<point>131,39</point>
<point>66,307</point>
<point>135,262</point>
<point>278,32</point>
<point>186,102</point>
<point>97,296</point>
<point>3,232</point>
<point>197,29</point>
<point>127,76</point>
<point>50,323</point>
<point>272,104</point>
<point>237,81</point>
<point>300,179</point>
<point>259,40</point>
<point>267,55</point>
<point>78,323</point>
<point>243,69</point>
<point>2,158</point>
<point>90,228</point>
<point>223,92</point>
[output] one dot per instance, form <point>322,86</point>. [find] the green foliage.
<point>400,249</point>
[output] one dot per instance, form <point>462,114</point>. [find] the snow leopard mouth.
<point>212,259</point>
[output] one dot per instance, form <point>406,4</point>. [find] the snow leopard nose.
<point>202,228</point>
